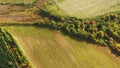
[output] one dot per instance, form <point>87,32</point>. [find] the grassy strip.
<point>11,56</point>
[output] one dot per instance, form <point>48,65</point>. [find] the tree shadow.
<point>114,51</point>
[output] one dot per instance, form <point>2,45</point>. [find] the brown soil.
<point>18,8</point>
<point>18,18</point>
<point>4,9</point>
<point>7,13</point>
<point>20,15</point>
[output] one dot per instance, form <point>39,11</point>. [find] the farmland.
<point>51,49</point>
<point>89,8</point>
<point>59,34</point>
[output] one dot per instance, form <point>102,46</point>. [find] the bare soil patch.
<point>17,13</point>
<point>18,18</point>
<point>4,9</point>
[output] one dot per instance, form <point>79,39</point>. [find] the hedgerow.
<point>10,54</point>
<point>104,31</point>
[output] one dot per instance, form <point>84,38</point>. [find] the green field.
<point>46,48</point>
<point>89,8</point>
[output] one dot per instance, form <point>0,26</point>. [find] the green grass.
<point>89,8</point>
<point>50,49</point>
<point>17,1</point>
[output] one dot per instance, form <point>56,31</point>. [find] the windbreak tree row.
<point>104,31</point>
<point>10,54</point>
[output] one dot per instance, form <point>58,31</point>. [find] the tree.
<point>100,34</point>
<point>101,27</point>
<point>113,17</point>
<point>111,41</point>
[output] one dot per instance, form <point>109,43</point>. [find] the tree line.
<point>10,54</point>
<point>104,31</point>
